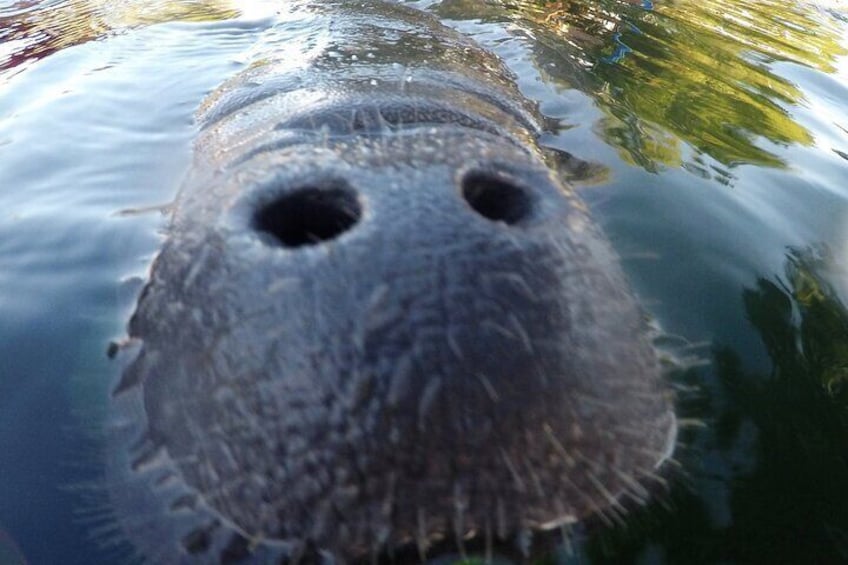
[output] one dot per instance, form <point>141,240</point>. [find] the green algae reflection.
<point>672,74</point>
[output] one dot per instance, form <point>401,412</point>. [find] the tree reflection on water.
<point>767,477</point>
<point>667,74</point>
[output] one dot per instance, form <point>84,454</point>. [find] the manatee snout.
<point>379,320</point>
<point>377,348</point>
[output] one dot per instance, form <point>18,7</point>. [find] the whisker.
<point>459,515</point>
<point>635,489</point>
<point>488,386</point>
<point>500,516</point>
<point>421,541</point>
<point>569,461</point>
<point>489,542</point>
<point>519,483</point>
<point>565,539</point>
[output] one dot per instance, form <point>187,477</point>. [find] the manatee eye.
<point>495,198</point>
<point>309,215</point>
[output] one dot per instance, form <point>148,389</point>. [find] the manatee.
<point>380,320</point>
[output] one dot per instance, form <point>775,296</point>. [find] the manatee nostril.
<point>309,215</point>
<point>496,198</point>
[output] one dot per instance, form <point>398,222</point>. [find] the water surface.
<point>720,143</point>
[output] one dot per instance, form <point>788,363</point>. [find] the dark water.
<point>720,135</point>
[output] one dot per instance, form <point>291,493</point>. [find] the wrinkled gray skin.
<point>379,319</point>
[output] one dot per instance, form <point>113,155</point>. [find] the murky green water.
<point>720,138</point>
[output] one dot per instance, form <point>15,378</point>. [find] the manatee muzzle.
<point>389,323</point>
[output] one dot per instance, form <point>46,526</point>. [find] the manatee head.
<point>380,321</point>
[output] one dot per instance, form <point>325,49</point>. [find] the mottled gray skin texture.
<point>379,319</point>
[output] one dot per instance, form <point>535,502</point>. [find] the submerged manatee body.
<point>379,319</point>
